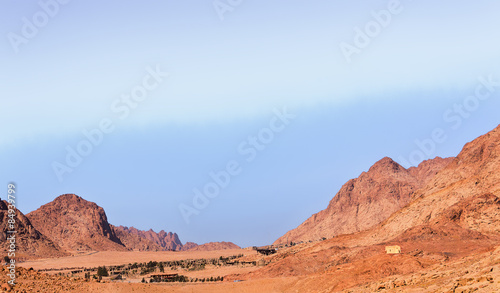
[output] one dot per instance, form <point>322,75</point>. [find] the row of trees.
<point>184,279</point>
<point>211,279</point>
<point>149,267</point>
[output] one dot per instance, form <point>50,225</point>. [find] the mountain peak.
<point>386,164</point>
<point>68,197</point>
<point>71,199</point>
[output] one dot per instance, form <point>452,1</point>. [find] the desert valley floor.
<point>415,271</point>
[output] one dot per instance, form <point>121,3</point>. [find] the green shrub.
<point>102,271</point>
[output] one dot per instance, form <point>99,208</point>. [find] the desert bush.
<point>102,271</point>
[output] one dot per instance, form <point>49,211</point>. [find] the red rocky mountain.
<point>76,224</point>
<point>367,200</point>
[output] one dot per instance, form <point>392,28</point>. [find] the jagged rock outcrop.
<point>136,239</point>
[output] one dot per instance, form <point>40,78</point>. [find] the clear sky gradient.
<point>423,68</point>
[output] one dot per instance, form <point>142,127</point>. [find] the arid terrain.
<point>444,215</point>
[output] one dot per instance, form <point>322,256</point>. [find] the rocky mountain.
<point>73,224</point>
<point>448,233</point>
<point>136,239</point>
<point>189,245</point>
<point>150,240</point>
<point>367,200</point>
<point>472,174</point>
<point>76,225</point>
<point>29,241</point>
<point>133,241</point>
<point>214,246</point>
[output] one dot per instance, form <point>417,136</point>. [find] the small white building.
<point>396,249</point>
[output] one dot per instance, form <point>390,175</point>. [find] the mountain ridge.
<point>75,225</point>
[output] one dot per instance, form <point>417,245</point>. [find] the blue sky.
<point>226,78</point>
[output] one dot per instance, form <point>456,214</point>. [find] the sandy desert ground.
<point>477,272</point>
<point>32,280</point>
<point>109,258</point>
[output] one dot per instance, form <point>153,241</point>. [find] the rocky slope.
<point>29,241</point>
<point>367,200</point>
<point>76,224</point>
<point>29,280</point>
<point>441,253</point>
